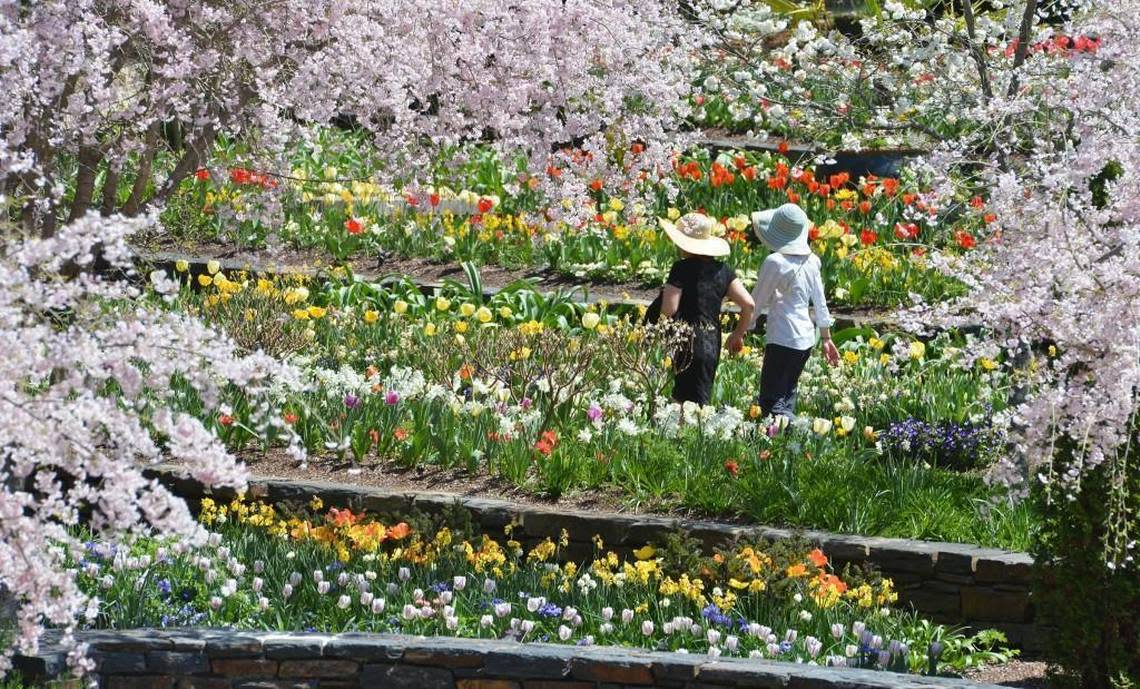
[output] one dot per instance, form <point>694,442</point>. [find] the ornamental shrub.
<point>1092,611</point>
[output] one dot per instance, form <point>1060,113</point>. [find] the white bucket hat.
<point>693,233</point>
<point>784,229</point>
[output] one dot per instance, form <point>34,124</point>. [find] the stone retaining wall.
<point>220,659</point>
<point>947,582</point>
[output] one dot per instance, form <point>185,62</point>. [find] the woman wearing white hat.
<point>788,283</point>
<point>694,292</point>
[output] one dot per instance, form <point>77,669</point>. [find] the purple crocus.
<point>594,413</point>
<point>351,401</point>
<point>391,397</point>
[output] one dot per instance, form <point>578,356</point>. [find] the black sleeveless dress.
<point>703,283</point>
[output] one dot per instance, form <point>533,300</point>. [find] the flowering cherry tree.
<point>1063,264</point>
<point>110,105</point>
<point>91,386</point>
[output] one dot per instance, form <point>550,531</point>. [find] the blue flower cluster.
<point>947,444</point>
<point>713,614</point>
<point>550,610</point>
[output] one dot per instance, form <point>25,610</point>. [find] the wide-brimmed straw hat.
<point>784,229</point>
<point>693,233</point>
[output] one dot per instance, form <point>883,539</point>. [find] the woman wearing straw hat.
<point>696,288</point>
<point>789,281</point>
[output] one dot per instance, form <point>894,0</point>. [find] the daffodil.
<point>317,311</point>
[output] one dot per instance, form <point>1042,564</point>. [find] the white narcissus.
<point>86,378</point>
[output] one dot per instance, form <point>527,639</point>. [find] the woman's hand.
<point>831,352</point>
<point>735,343</point>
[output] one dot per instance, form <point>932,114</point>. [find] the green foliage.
<point>1093,610</point>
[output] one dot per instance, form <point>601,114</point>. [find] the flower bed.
<point>522,386</point>
<point>950,583</point>
<point>876,236</point>
<point>261,567</point>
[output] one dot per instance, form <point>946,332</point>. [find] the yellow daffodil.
<point>645,552</point>
<point>301,314</point>
<point>461,327</point>
<point>317,311</point>
<point>850,357</point>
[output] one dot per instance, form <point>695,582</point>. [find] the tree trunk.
<point>191,160</point>
<point>142,179</point>
<point>110,191</point>
<point>89,159</point>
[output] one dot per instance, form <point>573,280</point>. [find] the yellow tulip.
<point>483,314</point>
<point>467,310</point>
<point>205,280</point>
<point>213,267</point>
<point>429,329</point>
<point>400,307</point>
<point>301,314</point>
<point>505,312</point>
<point>442,304</point>
<point>181,266</point>
<point>371,316</point>
<point>461,327</point>
<point>590,320</point>
<point>317,311</point>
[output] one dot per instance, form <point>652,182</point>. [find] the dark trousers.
<point>778,379</point>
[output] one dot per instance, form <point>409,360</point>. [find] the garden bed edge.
<point>228,659</point>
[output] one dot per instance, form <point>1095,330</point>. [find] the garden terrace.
<point>430,276</point>
<point>221,659</point>
<point>949,582</point>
